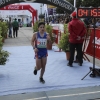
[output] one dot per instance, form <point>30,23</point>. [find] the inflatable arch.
<point>22,7</point>
<point>63,4</point>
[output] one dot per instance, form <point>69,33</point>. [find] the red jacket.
<point>77,31</point>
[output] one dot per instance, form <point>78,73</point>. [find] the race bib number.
<point>41,43</point>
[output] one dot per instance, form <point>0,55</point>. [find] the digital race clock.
<point>88,12</point>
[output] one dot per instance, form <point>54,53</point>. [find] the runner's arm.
<point>48,37</point>
<point>33,40</point>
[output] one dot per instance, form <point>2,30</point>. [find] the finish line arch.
<point>22,7</point>
<point>63,4</point>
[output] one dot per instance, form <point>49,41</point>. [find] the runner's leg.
<point>44,61</point>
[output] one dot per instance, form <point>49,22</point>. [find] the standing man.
<point>10,27</point>
<point>15,27</point>
<point>77,32</point>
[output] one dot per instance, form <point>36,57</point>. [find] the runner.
<point>39,43</point>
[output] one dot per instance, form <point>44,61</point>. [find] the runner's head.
<point>41,27</point>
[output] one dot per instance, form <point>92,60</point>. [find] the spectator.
<point>98,23</point>
<point>15,27</point>
<point>10,27</point>
<point>77,32</point>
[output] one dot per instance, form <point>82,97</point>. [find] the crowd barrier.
<point>60,27</point>
<point>56,34</point>
<point>57,30</point>
<point>85,45</point>
<point>90,41</point>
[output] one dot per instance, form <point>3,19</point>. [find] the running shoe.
<point>35,71</point>
<point>42,80</point>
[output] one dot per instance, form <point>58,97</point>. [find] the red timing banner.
<point>13,7</point>
<point>90,48</point>
<point>62,4</point>
<point>22,7</point>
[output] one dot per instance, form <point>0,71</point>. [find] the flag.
<point>50,6</point>
<point>45,11</point>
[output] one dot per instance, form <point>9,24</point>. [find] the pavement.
<point>24,38</point>
<point>86,93</point>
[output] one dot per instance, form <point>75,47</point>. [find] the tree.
<point>93,3</point>
<point>85,3</point>
<point>59,11</point>
<point>78,2</point>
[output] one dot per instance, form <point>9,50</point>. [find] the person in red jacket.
<point>77,31</point>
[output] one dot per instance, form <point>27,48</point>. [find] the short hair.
<point>41,23</point>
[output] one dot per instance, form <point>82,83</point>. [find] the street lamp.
<point>75,3</point>
<point>41,10</point>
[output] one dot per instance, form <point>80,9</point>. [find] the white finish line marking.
<point>64,95</point>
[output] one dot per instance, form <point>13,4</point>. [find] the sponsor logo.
<point>4,7</point>
<point>62,4</point>
<point>97,47</point>
<point>97,41</point>
<point>13,7</point>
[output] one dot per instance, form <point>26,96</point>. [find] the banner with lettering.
<point>63,4</point>
<point>22,7</point>
<point>90,48</point>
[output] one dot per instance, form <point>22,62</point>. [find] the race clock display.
<point>88,12</point>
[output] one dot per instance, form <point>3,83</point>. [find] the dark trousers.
<point>78,47</point>
<point>15,31</point>
<point>10,32</point>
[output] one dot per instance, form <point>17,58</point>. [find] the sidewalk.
<point>24,38</point>
<point>88,93</point>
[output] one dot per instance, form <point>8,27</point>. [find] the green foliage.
<point>1,44</point>
<point>64,42</point>
<point>93,3</point>
<point>4,29</point>
<point>49,30</point>
<point>85,3</point>
<point>78,2</point>
<point>3,57</point>
<point>65,28</point>
<point>59,11</point>
<point>3,54</point>
<point>35,27</point>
